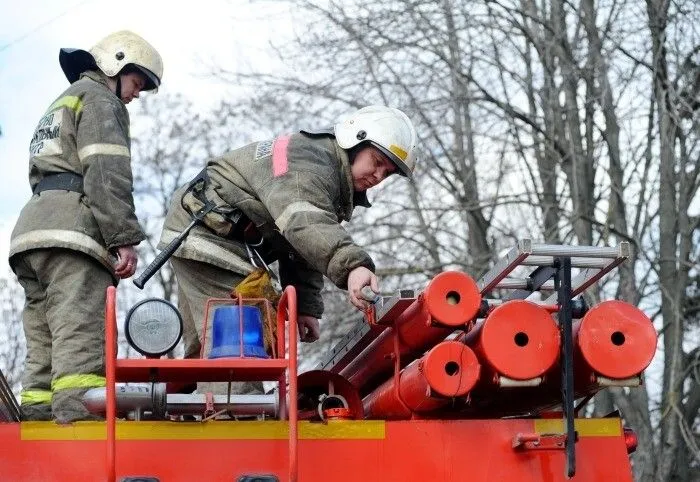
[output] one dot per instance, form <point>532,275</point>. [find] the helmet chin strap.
<point>118,88</point>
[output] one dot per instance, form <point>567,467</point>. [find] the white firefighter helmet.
<point>111,55</point>
<point>386,128</point>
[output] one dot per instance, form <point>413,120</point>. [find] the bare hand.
<point>358,279</point>
<point>309,329</point>
<point>126,262</point>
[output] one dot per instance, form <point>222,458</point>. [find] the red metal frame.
<point>340,450</point>
<point>193,370</point>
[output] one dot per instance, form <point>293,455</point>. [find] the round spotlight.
<point>153,327</point>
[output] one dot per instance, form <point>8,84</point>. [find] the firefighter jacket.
<point>84,132</point>
<point>296,190</point>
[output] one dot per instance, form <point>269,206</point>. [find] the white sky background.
<point>188,35</point>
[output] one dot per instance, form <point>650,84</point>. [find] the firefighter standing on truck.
<point>294,191</point>
<point>76,235</point>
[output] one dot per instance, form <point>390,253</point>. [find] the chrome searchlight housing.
<point>153,327</point>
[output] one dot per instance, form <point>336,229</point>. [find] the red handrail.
<point>287,311</point>
<point>110,360</point>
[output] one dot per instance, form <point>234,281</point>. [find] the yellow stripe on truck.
<point>213,430</point>
<point>586,427</point>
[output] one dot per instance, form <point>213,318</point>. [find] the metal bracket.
<point>562,280</point>
<point>535,441</point>
<point>393,306</point>
<point>537,278</point>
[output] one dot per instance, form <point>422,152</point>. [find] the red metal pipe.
<point>448,370</point>
<point>450,300</point>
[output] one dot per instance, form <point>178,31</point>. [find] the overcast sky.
<point>187,34</point>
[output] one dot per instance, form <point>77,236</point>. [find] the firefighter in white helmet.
<point>295,190</point>
<point>76,235</point>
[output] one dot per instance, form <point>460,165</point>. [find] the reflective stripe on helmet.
<point>400,153</point>
<point>400,164</point>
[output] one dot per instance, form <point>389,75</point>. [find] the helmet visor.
<point>152,80</point>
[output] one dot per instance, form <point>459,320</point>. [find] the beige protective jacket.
<point>296,190</point>
<point>86,132</point>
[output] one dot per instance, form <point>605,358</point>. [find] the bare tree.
<point>566,121</point>
<point>12,346</point>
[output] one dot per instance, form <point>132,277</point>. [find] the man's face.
<point>132,85</point>
<point>369,168</point>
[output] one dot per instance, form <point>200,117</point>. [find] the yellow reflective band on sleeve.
<point>104,149</point>
<point>78,381</point>
<point>70,101</point>
<point>35,397</point>
<point>294,208</point>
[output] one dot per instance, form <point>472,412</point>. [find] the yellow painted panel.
<point>343,429</point>
<point>586,427</point>
<point>53,431</point>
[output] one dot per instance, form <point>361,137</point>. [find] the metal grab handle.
<point>163,256</point>
<point>369,295</point>
<point>255,257</point>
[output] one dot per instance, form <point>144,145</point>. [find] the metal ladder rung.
<point>575,262</point>
<point>619,251</point>
<point>595,261</point>
<point>520,284</point>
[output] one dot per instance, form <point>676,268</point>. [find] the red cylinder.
<point>450,369</point>
<point>450,300</point>
<point>518,340</point>
<point>614,340</point>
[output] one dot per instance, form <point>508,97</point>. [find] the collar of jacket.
<point>358,198</point>
<point>98,77</point>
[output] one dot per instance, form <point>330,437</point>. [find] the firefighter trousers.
<point>64,327</point>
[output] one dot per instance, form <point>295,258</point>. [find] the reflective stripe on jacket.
<point>36,397</point>
<point>86,132</point>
